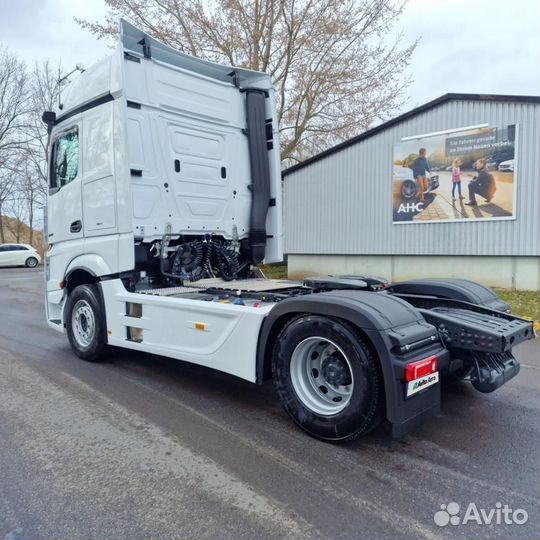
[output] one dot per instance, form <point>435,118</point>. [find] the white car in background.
<point>506,166</point>
<point>19,255</point>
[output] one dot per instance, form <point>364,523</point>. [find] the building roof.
<point>422,108</point>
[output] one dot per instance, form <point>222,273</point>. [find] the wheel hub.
<point>321,375</point>
<point>334,369</point>
<point>83,323</point>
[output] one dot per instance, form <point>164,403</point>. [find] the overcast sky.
<point>473,46</point>
<point>480,46</point>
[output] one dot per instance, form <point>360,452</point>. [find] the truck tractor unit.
<point>165,195</point>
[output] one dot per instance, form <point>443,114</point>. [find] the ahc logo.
<point>500,515</point>
<point>410,207</point>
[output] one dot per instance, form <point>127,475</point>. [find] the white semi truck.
<point>164,195</point>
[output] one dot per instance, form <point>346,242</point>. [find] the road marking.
<point>125,441</point>
<point>15,534</point>
<point>380,511</point>
<point>529,366</point>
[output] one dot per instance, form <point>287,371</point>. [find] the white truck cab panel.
<point>65,178</point>
<point>83,205</point>
<point>187,147</point>
<point>98,181</point>
<point>160,141</point>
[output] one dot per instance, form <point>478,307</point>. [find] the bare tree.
<point>14,94</point>
<point>30,191</point>
<point>15,205</point>
<point>6,189</point>
<point>44,88</point>
<point>333,72</point>
<point>17,208</point>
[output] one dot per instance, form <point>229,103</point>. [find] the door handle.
<point>76,226</point>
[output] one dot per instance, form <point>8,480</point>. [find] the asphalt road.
<point>146,447</point>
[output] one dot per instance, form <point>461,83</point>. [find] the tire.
<point>327,378</point>
<point>85,323</point>
<point>408,189</point>
<point>31,262</point>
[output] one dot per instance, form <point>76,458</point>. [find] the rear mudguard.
<point>390,324</point>
<point>455,289</point>
<point>476,327</point>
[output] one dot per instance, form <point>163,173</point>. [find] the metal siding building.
<point>338,211</point>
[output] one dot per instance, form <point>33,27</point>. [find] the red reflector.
<point>421,368</point>
<point>62,284</point>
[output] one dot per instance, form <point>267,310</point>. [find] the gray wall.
<point>342,204</point>
<point>522,273</point>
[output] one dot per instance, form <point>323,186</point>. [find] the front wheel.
<point>327,378</point>
<point>85,323</point>
<point>408,189</point>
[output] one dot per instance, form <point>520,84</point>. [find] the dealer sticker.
<point>413,387</point>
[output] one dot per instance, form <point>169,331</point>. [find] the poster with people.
<point>456,176</point>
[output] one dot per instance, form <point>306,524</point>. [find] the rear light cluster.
<point>415,370</point>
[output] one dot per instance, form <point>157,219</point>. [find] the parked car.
<point>507,166</point>
<point>504,154</point>
<point>405,185</point>
<point>19,255</point>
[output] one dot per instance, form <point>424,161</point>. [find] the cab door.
<point>65,215</point>
<point>98,181</point>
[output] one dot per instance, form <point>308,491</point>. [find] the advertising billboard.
<point>462,175</point>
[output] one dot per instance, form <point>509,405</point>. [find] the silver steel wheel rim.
<point>83,323</point>
<point>32,262</point>
<point>322,376</point>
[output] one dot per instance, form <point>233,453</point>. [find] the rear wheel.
<point>327,378</point>
<point>85,323</point>
<point>31,262</point>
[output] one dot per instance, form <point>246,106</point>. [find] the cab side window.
<point>65,159</point>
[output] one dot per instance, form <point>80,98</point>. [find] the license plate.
<point>413,387</point>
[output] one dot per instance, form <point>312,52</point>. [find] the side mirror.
<point>49,118</point>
